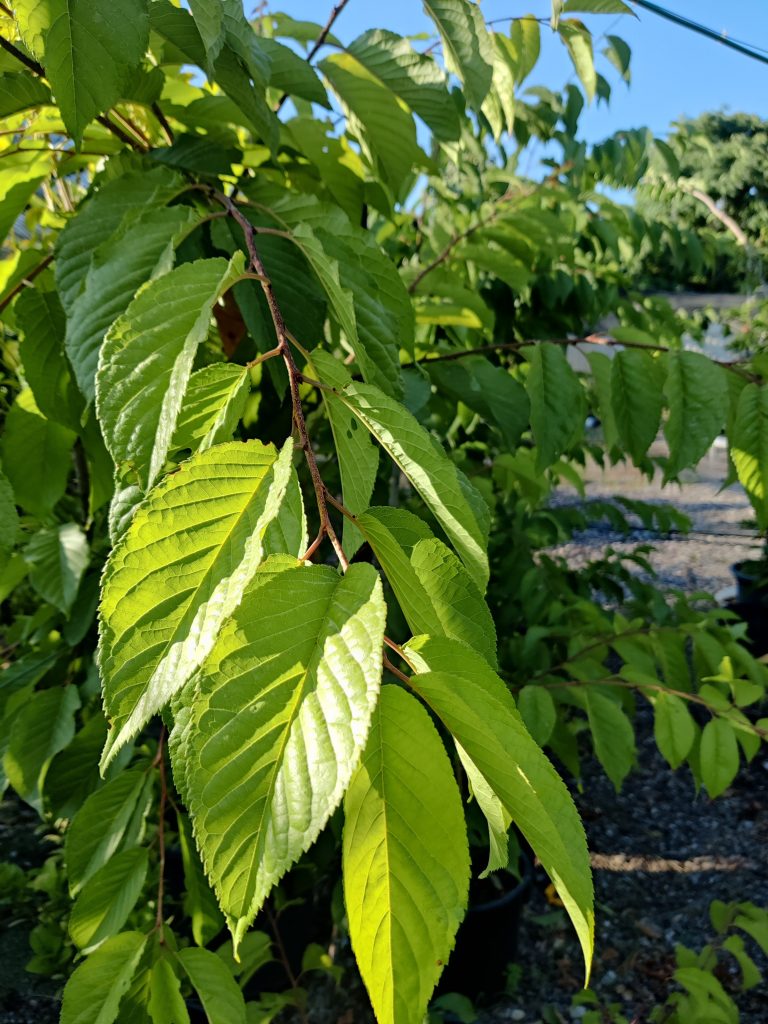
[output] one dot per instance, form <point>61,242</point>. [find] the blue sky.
<point>674,71</point>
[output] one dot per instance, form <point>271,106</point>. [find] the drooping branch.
<point>725,219</point>
<point>295,378</point>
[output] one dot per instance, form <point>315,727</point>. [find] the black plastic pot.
<point>751,581</point>
<point>487,940</point>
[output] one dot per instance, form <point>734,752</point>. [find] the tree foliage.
<point>233,325</point>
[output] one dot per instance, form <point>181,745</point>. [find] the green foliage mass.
<point>287,380</point>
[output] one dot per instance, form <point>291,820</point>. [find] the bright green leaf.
<point>279,715</point>
<point>457,506</point>
<point>637,400</point>
<point>749,447</point>
<point>477,709</point>
<point>212,407</point>
<point>406,859</point>
<point>557,402</point>
<point>184,562</point>
<point>673,728</point>
<point>59,556</point>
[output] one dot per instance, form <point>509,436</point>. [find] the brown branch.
<point>589,339</point>
<point>627,684</point>
<point>395,671</point>
<point>26,281</point>
<point>293,981</point>
<point>324,32</point>
<point>294,375</point>
<point>39,70</point>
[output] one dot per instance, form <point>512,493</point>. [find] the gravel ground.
<point>700,560</point>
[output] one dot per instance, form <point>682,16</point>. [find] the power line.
<point>756,53</point>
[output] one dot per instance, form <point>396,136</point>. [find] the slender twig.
<point>590,339</point>
<point>456,240</point>
<point>342,508</point>
<point>273,352</point>
<point>25,281</point>
<point>293,981</point>
<point>324,33</point>
<point>724,218</point>
<point>159,762</point>
<point>103,120</point>
<point>627,684</point>
<point>163,122</point>
<point>395,671</point>
<point>295,377</point>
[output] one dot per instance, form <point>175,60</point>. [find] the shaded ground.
<point>661,855</point>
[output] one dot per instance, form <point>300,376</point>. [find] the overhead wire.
<point>748,50</point>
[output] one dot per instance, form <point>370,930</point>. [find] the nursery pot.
<point>487,939</point>
<point>751,581</point>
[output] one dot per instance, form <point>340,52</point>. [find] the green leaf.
<point>221,998</point>
<point>20,92</point>
<point>467,45</point>
<point>434,590</point>
<point>601,366</point>
<point>415,78</point>
<point>406,859</point>
<point>142,248</point>
<point>291,74</point>
<point>90,49</point>
<point>184,563</point>
<point>59,557</point>
<point>719,756</point>
<point>74,773</point>
<point>620,55</point>
<point>578,41</point>
<point>146,361</point>
<point>750,973</point>
<point>673,728</point>
<point>33,19</point>
<point>477,709</point>
<point>538,711</point>
<point>457,506</point>
<point>489,391</point>
<point>44,726</point>
<point>100,216</point>
<point>35,453</point>
<point>612,734</point>
<point>209,18</point>
<point>557,402</point>
<point>105,823</point>
<point>20,177</point>
<point>166,1005</point>
<point>749,447</point>
<point>213,404</point>
<point>106,899</point>
<point>357,454</point>
<point>9,520</point>
<point>597,7</point>
<point>278,719</point>
<point>388,136</point>
<point>526,39</point>
<point>697,395</point>
<point>93,993</point>
<point>637,400</point>
<point>40,318</point>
